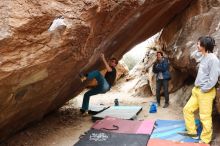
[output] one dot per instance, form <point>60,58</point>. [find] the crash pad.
<point>122,112</point>
<point>159,142</point>
<point>125,126</point>
<point>103,138</point>
<point>169,129</point>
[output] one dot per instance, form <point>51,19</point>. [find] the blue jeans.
<point>102,87</point>
<point>164,83</point>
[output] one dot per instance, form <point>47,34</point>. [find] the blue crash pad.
<point>169,129</point>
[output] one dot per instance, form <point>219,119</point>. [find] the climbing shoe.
<point>166,105</point>
<point>193,136</point>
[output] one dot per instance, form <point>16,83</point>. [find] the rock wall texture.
<point>179,38</point>
<point>39,69</point>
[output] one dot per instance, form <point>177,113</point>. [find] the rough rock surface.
<point>179,38</point>
<point>142,87</point>
<point>183,94</point>
<point>122,70</point>
<point>39,69</point>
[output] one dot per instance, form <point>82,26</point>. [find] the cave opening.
<point>137,54</point>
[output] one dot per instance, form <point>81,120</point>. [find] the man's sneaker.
<point>166,105</point>
<point>193,136</point>
<point>82,77</point>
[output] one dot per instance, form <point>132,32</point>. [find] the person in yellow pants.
<point>204,102</point>
<point>204,91</point>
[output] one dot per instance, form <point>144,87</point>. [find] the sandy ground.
<point>64,126</point>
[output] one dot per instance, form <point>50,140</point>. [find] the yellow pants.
<point>204,102</point>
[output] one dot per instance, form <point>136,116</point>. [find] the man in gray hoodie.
<point>204,91</point>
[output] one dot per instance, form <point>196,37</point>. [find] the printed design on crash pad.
<point>98,137</point>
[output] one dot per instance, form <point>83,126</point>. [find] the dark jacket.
<point>162,66</point>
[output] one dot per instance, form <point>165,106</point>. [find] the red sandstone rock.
<point>39,69</point>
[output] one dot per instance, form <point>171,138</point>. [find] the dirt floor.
<point>64,126</point>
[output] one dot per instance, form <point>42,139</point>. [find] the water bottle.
<point>116,102</point>
<point>153,108</point>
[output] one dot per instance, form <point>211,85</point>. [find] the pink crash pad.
<point>159,142</point>
<point>125,126</point>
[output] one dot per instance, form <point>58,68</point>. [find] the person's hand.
<point>158,61</point>
<point>155,61</point>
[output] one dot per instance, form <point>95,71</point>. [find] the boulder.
<point>39,67</point>
<point>179,38</point>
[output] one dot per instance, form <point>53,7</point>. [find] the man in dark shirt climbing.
<point>161,69</point>
<point>104,82</point>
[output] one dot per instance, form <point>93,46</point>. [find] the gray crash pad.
<point>122,112</point>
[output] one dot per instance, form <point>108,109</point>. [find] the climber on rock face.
<point>104,82</point>
<point>161,69</point>
<point>204,91</point>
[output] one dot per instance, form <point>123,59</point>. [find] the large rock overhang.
<point>39,69</point>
